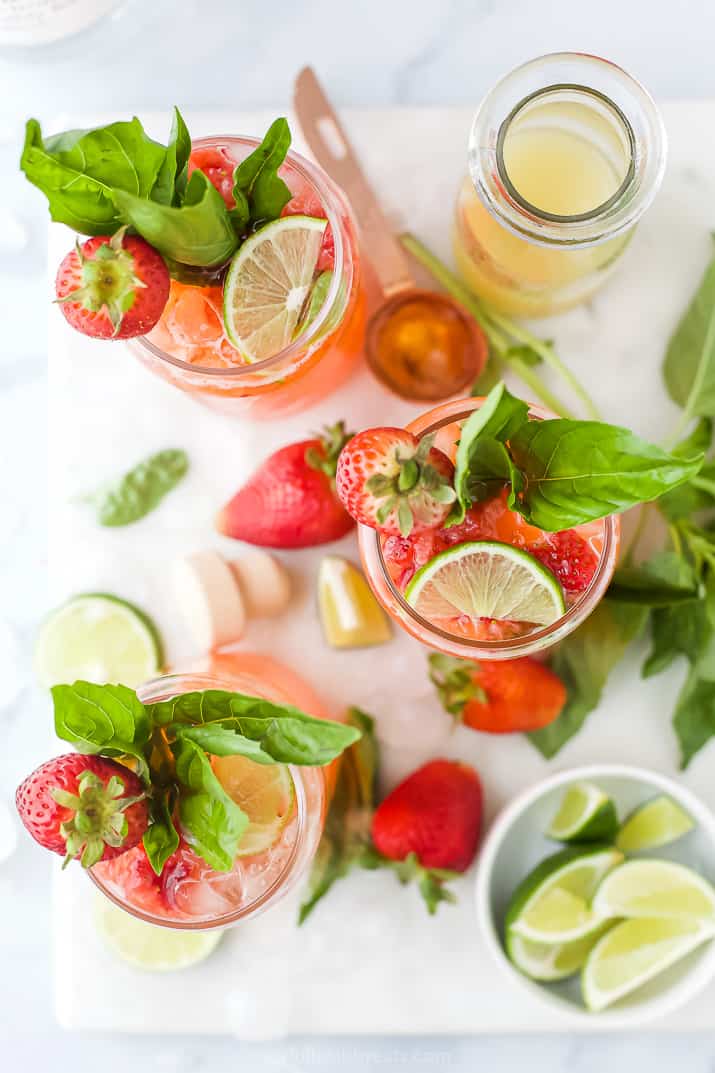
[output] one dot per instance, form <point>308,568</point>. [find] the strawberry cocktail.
<point>489,529</point>
<point>204,798</point>
<point>230,264</point>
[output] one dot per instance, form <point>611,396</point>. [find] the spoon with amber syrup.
<point>421,344</point>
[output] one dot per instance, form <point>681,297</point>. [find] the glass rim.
<point>155,688</point>
<point>629,103</point>
<point>329,197</point>
<point>512,647</point>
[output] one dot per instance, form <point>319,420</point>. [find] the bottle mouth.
<point>621,128</point>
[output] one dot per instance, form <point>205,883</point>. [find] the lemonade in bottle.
<point>565,155</point>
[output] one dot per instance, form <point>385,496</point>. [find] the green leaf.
<point>198,231</point>
<point>141,489</point>
<point>220,740</point>
<point>284,733</point>
<point>211,821</point>
<point>689,366</point>
<point>584,661</point>
<point>80,171</point>
<point>161,838</point>
<point>171,180</point>
<point>578,471</point>
<point>106,719</point>
<point>316,301</point>
<point>256,184</point>
<point>526,353</point>
<point>681,630</point>
<point>665,581</point>
<point>694,718</point>
<point>345,842</point>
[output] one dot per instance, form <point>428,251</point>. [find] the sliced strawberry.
<point>570,558</point>
<point>499,697</point>
<point>218,167</point>
<point>391,481</point>
<point>290,501</point>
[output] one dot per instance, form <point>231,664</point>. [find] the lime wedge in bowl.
<point>148,946</point>
<point>656,823</point>
<point>632,953</point>
<point>586,814</point>
<point>269,283</point>
<point>551,961</point>
<point>266,794</point>
<point>656,888</point>
<point>553,904</point>
<point>100,638</point>
<point>486,579</point>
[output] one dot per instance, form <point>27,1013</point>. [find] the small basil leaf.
<point>171,180</point>
<point>689,366</point>
<point>211,821</point>
<point>526,353</point>
<point>680,630</point>
<point>196,232</point>
<point>584,661</point>
<point>161,838</point>
<point>578,471</point>
<point>656,584</point>
<point>80,171</point>
<point>345,842</point>
<point>107,719</point>
<point>141,489</point>
<point>220,740</point>
<point>256,178</point>
<point>694,718</point>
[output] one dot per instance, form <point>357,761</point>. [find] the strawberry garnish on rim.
<point>389,480</point>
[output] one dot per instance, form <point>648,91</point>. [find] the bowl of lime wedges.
<point>595,892</point>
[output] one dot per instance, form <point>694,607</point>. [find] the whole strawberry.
<point>85,807</point>
<point>429,825</point>
<point>498,697</point>
<point>113,286</point>
<point>391,481</point>
<point>290,501</point>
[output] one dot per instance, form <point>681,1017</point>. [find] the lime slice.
<point>266,794</point>
<point>552,905</point>
<point>350,615</point>
<point>632,953</point>
<point>656,823</point>
<point>148,946</point>
<point>486,579</point>
<point>650,888</point>
<point>586,814</point>
<point>269,283</point>
<point>100,638</point>
<point>551,961</point>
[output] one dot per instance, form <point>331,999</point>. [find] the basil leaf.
<point>689,366</point>
<point>578,471</point>
<point>665,581</point>
<point>345,842</point>
<point>681,630</point>
<point>256,184</point>
<point>107,719</point>
<point>584,661</point>
<point>81,170</point>
<point>526,353</point>
<point>161,838</point>
<point>286,734</point>
<point>219,740</point>
<point>497,419</point>
<point>171,180</point>
<point>211,821</point>
<point>699,493</point>
<point>196,232</point>
<point>694,718</point>
<point>141,489</point>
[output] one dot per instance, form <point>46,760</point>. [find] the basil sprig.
<point>170,744</point>
<point>99,180</point>
<point>141,489</point>
<point>561,472</point>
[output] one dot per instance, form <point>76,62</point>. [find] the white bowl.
<point>516,843</point>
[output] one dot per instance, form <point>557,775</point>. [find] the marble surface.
<point>369,54</point>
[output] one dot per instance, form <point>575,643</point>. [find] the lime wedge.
<point>632,953</point>
<point>552,905</point>
<point>486,579</point>
<point>586,814</point>
<point>269,283</point>
<point>551,961</point>
<point>350,615</point>
<point>650,888</point>
<point>656,823</point>
<point>100,638</point>
<point>266,794</point>
<point>148,946</point>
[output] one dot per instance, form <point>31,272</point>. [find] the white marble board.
<point>370,960</point>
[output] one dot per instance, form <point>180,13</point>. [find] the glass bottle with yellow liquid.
<point>565,155</point>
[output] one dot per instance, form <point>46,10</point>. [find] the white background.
<point>244,53</point>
